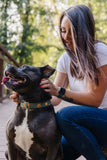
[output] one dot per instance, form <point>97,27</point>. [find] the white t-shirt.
<point>63,66</point>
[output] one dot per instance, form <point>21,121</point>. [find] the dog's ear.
<point>47,71</point>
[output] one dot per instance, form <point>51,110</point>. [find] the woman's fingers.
<point>15,100</point>
<point>48,86</point>
<point>14,97</point>
<point>44,81</point>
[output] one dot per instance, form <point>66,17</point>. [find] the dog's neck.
<point>35,98</point>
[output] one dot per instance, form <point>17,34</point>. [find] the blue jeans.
<point>84,130</point>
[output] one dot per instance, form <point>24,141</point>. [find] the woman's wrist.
<point>57,91</point>
<point>61,92</point>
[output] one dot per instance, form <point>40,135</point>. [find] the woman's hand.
<point>48,86</point>
<point>14,97</point>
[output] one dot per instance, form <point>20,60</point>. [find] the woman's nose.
<point>67,36</point>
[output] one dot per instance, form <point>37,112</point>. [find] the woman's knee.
<point>74,113</point>
<point>60,116</point>
<point>63,116</point>
<point>66,113</point>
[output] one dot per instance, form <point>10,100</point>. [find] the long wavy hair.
<point>84,60</point>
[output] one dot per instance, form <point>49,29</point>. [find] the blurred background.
<point>29,35</point>
<point>29,30</point>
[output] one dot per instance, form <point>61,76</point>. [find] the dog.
<point>32,132</point>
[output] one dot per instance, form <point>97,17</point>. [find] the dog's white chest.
<point>23,136</point>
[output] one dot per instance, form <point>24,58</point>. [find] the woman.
<point>84,68</point>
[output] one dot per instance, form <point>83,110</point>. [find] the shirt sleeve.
<point>101,51</point>
<point>61,64</point>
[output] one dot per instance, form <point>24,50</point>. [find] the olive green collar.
<point>28,105</point>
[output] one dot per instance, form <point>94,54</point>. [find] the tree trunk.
<point>1,76</point>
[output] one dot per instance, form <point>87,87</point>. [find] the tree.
<point>5,35</point>
<point>36,20</point>
<point>36,40</point>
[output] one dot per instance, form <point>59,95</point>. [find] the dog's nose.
<point>9,68</point>
<point>8,65</point>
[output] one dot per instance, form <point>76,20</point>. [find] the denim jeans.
<point>84,131</point>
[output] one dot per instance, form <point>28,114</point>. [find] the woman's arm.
<point>92,97</point>
<point>94,94</point>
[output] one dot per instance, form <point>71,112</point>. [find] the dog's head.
<point>26,80</point>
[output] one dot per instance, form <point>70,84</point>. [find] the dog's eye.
<point>25,66</point>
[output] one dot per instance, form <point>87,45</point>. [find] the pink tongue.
<point>5,79</point>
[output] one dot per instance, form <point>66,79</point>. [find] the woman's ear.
<point>47,71</point>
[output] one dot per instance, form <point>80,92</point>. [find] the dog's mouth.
<point>12,80</point>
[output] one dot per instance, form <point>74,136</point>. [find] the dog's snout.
<point>7,66</point>
<point>10,68</point>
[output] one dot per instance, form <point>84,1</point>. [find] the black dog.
<point>32,132</point>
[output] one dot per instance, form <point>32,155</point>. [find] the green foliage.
<point>4,36</point>
<point>29,28</point>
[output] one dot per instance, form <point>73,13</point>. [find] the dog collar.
<point>28,105</point>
